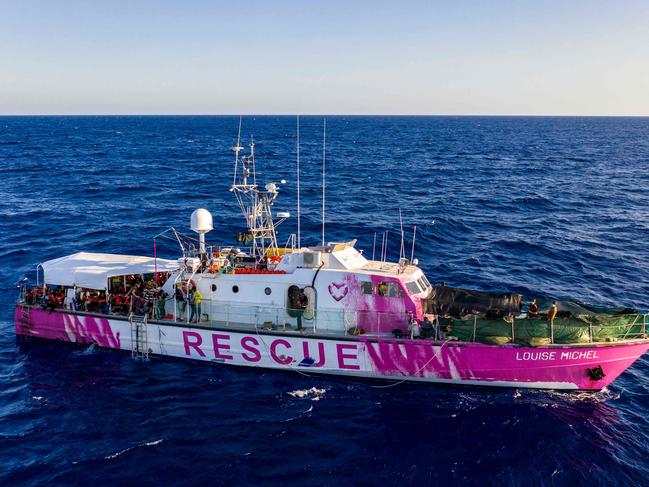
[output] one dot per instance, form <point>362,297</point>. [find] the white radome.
<point>202,221</point>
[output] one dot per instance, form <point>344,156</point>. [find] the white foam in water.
<point>314,392</point>
<point>601,396</point>
<point>121,452</point>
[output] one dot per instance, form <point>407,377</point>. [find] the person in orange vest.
<point>554,309</point>
<point>533,310</point>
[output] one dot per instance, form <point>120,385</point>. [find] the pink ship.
<point>321,309</point>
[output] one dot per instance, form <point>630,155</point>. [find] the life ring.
<point>275,258</point>
<point>183,284</point>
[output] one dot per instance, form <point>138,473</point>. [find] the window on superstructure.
<point>389,289</point>
<point>426,282</point>
<point>412,287</point>
<point>366,287</point>
<point>422,283</point>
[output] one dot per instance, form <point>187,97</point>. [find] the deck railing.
<point>532,332</point>
<point>539,331</point>
<point>281,318</point>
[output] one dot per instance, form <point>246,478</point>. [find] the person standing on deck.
<point>149,295</point>
<point>533,310</point>
<point>302,303</point>
<point>552,314</point>
<point>161,304</point>
<point>195,298</point>
<point>180,303</point>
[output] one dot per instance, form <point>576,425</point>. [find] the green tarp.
<point>538,332</point>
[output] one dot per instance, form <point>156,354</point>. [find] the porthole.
<point>213,288</point>
<point>235,289</point>
<point>268,291</point>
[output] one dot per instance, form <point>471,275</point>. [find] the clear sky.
<point>356,57</point>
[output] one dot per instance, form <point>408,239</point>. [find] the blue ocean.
<point>544,206</point>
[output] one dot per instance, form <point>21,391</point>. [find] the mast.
<point>255,203</point>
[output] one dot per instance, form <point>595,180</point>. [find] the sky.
<point>324,57</point>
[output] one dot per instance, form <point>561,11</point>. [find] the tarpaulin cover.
<point>461,302</point>
<point>566,330</point>
<point>89,270</point>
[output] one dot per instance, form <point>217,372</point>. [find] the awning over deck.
<point>88,270</point>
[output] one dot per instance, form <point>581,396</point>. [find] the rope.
<point>375,387</point>
<point>415,373</point>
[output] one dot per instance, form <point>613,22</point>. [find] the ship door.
<point>309,310</point>
<point>301,301</point>
<point>293,301</point>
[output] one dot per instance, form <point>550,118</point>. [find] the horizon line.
<point>309,115</point>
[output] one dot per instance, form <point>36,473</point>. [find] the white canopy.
<point>88,270</point>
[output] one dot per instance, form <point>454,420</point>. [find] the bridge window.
<point>389,289</point>
<point>423,283</point>
<point>412,287</point>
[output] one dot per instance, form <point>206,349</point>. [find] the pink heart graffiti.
<point>338,291</point>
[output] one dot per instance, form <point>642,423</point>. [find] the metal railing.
<point>543,332</point>
<point>237,314</point>
<point>532,332</point>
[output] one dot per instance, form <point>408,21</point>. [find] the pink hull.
<point>550,367</point>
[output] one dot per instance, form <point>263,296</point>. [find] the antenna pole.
<point>236,151</point>
<point>385,256</point>
<point>374,246</point>
<point>299,245</point>
<point>414,235</point>
<point>252,157</point>
<point>155,263</point>
<point>324,179</point>
<point>402,252</point>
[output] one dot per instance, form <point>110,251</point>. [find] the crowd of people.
<point>141,297</point>
<point>52,297</point>
<point>132,294</point>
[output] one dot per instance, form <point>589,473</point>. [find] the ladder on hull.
<point>25,322</point>
<point>139,339</point>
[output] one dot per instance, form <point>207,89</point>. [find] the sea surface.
<point>544,206</point>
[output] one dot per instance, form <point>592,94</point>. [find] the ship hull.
<point>565,367</point>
